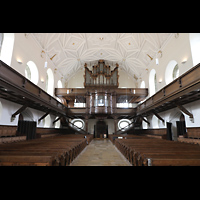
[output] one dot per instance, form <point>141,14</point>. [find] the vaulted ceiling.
<point>132,51</point>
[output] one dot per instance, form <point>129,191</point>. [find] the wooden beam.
<point>43,116</point>
<point>183,109</point>
<point>158,116</point>
<point>57,119</point>
<point>18,112</point>
<point>145,120</point>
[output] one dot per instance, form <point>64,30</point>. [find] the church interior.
<point>99,99</point>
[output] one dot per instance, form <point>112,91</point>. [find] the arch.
<point>123,123</point>
<point>47,121</point>
<point>79,123</point>
<point>59,84</point>
<point>31,72</point>
<point>57,124</point>
<point>7,47</point>
<point>152,82</point>
<point>142,85</point>
<point>50,82</point>
<point>194,39</point>
<point>171,71</point>
<point>155,122</point>
<point>27,115</point>
<point>144,124</point>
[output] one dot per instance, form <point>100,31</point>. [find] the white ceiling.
<point>129,50</point>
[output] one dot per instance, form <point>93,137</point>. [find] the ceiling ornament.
<point>132,51</point>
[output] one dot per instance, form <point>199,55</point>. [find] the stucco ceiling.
<point>134,52</point>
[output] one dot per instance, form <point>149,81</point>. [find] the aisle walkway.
<point>100,152</point>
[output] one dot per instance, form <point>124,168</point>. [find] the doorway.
<point>181,127</point>
<point>101,129</point>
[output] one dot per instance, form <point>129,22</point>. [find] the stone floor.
<point>100,152</point>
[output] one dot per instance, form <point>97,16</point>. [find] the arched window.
<point>195,47</point>
<point>78,123</point>
<point>142,85</point>
<point>59,84</point>
<point>1,41</point>
<point>6,48</point>
<point>152,82</point>
<point>50,82</point>
<point>31,72</point>
<point>171,72</point>
<point>124,124</point>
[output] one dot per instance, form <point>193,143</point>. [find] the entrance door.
<point>181,127</point>
<point>101,129</point>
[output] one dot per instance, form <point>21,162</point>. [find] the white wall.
<point>26,49</point>
<point>177,49</point>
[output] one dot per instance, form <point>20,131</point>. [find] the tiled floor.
<point>100,152</point>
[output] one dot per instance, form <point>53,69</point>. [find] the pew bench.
<point>56,150</point>
<point>148,151</point>
<point>27,160</point>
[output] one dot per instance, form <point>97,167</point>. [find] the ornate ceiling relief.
<point>132,51</point>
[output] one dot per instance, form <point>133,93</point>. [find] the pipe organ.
<point>101,75</point>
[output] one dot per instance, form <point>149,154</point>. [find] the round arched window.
<point>59,84</point>
<point>142,85</point>
<point>152,82</point>
<point>124,124</point>
<point>31,72</point>
<point>78,124</point>
<point>50,82</point>
<point>171,72</point>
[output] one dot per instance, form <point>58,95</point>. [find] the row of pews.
<point>146,151</point>
<point>59,150</point>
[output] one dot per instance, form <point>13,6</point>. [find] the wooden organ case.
<point>100,80</point>
<point>101,75</point>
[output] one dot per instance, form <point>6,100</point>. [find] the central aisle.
<point>100,152</point>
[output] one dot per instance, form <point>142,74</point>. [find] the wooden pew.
<point>51,151</point>
<point>142,151</point>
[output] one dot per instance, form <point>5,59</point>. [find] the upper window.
<point>195,47</point>
<point>142,85</point>
<point>124,124</point>
<point>171,72</point>
<point>6,49</point>
<point>78,124</point>
<point>59,84</point>
<point>31,72</point>
<point>50,82</point>
<point>152,82</point>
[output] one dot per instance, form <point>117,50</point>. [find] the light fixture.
<point>184,61</point>
<point>157,61</point>
<point>45,64</point>
<point>19,61</point>
<point>42,79</point>
<point>159,54</point>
